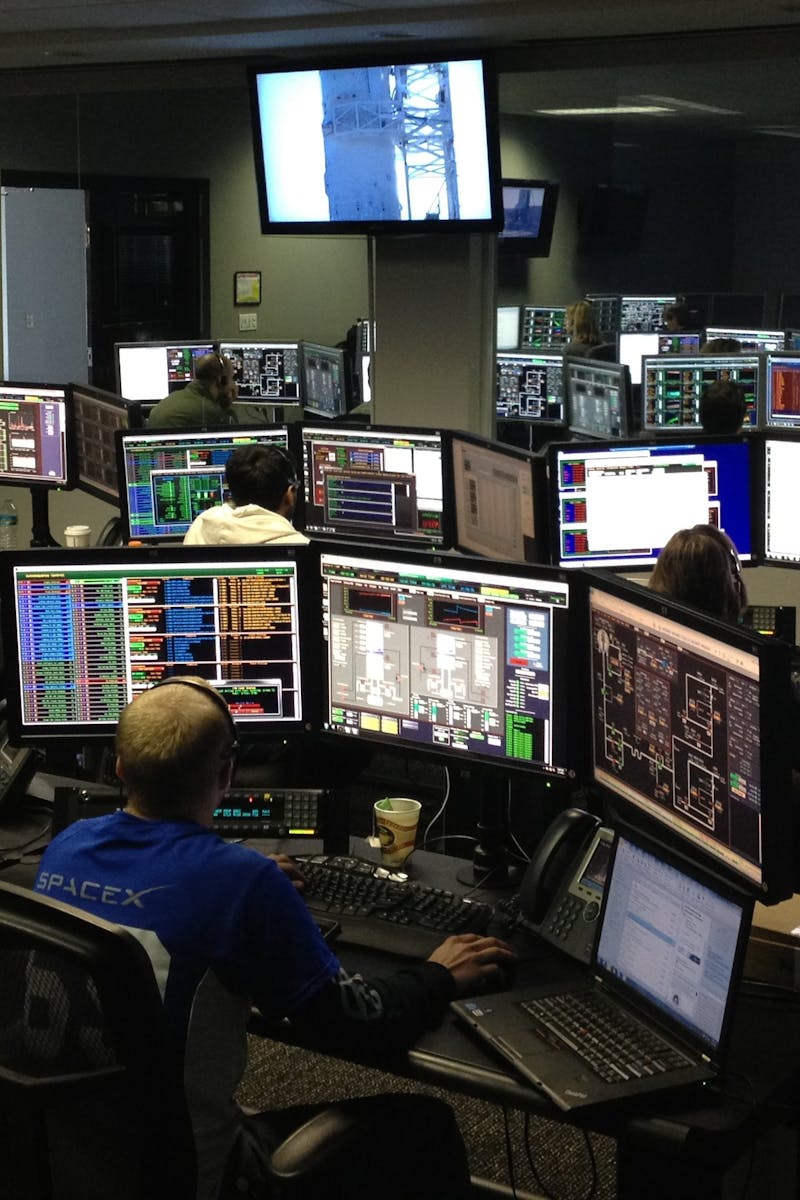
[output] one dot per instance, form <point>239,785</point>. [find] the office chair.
<point>91,1091</point>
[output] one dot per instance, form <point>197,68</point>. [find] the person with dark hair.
<point>262,481</point>
<point>206,401</point>
<point>226,929</point>
<point>723,407</point>
<point>582,331</point>
<point>677,318</point>
<point>721,345</point>
<point>700,566</point>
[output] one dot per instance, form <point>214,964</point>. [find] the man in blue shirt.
<point>226,928</point>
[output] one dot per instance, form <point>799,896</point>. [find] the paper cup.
<point>396,820</point>
<point>77,535</point>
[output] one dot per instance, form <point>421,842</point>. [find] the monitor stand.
<point>493,866</point>
<point>40,526</point>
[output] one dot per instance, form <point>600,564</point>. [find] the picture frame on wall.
<point>247,287</point>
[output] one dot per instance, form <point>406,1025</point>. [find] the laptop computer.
<point>666,966</point>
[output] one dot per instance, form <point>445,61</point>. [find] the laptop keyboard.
<point>614,1046</point>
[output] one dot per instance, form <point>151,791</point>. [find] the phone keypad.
<point>563,917</point>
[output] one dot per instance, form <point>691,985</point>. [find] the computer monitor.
<point>464,658</point>
<point>499,500</point>
<point>543,326</point>
<point>674,384</point>
<point>265,372</point>
<point>507,331</point>
<point>529,210</point>
<point>643,314</point>
<point>678,343</point>
<point>632,349</point>
<point>35,435</point>
<point>690,720</point>
<point>151,370</point>
<point>381,483</point>
<point>169,476</point>
<point>780,529</point>
<point>782,390</point>
<point>598,397</point>
<point>749,339</point>
<point>607,312</point>
<point>91,629</point>
<point>322,380</point>
<point>96,416</point>
<point>530,387</point>
<point>617,504</point>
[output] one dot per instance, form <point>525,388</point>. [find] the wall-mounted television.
<point>529,213</point>
<point>378,145</point>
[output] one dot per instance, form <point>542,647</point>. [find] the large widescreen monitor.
<point>380,483</point>
<point>265,372</point>
<point>618,504</point>
<point>598,398</point>
<point>377,146</point>
<point>542,326</point>
<point>96,417</point>
<point>168,477</point>
<point>151,370</point>
<point>782,390</point>
<point>673,385</point>
<point>691,720</point>
<point>749,339</point>
<point>530,387</point>
<point>88,630</point>
<point>780,528</point>
<point>499,500</point>
<point>35,435</point>
<point>451,655</point>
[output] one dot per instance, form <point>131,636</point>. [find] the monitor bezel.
<point>539,551</point>
<point>349,430</point>
<point>532,245</point>
<point>134,410</point>
<point>70,462</point>
<point>222,431</point>
<point>778,872</point>
<point>491,224</point>
<point>607,445</point>
<point>573,696</point>
<point>142,557</point>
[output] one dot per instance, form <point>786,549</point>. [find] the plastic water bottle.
<point>8,525</point>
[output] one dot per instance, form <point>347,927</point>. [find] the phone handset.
<point>562,889</point>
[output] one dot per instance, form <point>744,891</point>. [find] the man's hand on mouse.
<point>478,964</point>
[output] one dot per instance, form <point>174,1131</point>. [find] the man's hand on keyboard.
<point>478,964</point>
<point>289,867</point>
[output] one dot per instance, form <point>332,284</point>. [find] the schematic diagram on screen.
<point>676,730</point>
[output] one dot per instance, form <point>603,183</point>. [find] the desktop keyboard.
<point>379,911</point>
<point>613,1045</point>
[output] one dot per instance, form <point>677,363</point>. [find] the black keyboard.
<point>381,912</point>
<point>613,1045</point>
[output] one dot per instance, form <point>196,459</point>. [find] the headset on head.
<point>213,696</point>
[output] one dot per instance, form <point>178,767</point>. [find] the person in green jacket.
<point>206,401</point>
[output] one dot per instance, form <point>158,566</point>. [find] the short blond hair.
<point>171,744</point>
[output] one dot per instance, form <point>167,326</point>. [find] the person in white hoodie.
<point>262,481</point>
